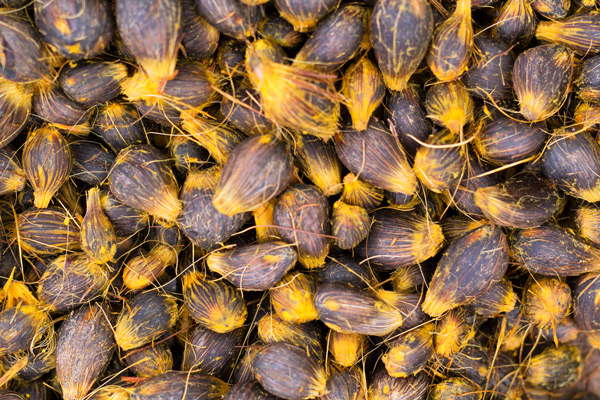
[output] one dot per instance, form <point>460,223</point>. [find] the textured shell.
<point>91,161</point>
<point>243,371</point>
<point>385,387</point>
<point>217,305</point>
<point>504,141</point>
<point>255,266</point>
<point>318,162</point>
<point>409,305</point>
<point>23,57</point>
<point>350,310</point>
<point>359,193</point>
<point>552,9</point>
<point>457,388</point>
<point>399,239</point>
<point>200,221</point>
<point>553,251</point>
<point>200,39</point>
<point>125,220</point>
<point>400,32</point>
<point>217,138</point>
<point>408,117</point>
<point>15,106</point>
<point>272,329</point>
<point>150,361</point>
<point>491,73</point>
<point>554,368</point>
<point>515,23</point>
<point>459,225</point>
<point>588,80</point>
<point>187,92</point>
<point>20,327</point>
<point>500,298</point>
<point>293,298</point>
<point>154,43</point>
<point>587,221</point>
<point>272,370</point>
<point>93,82</point>
<point>346,269</point>
<point>453,333</point>
<point>98,238</point>
<point>586,114</point>
<point>451,46</point>
<point>141,178</point>
<point>47,231</point>
<point>346,348</point>
<point>39,359</point>
<point>450,105</point>
<point>301,215</point>
<point>472,363</point>
<point>546,301</point>
<point>251,390</point>
<point>230,17</point>
<point>257,170</point>
<point>345,384</point>
<point>231,57</point>
<point>243,113</point>
<point>12,176</point>
<point>525,200</point>
<point>376,156</point>
<point>408,353</point>
<point>70,281</point>
<point>210,352</point>
<point>585,306</point>
<point>147,267</point>
<point>144,318</point>
<point>440,166</point>
<point>166,234</point>
<point>77,29</point>
<point>181,386</point>
<point>304,14</point>
<point>541,77</point>
<point>468,268</point>
<point>54,106</point>
<point>565,331</point>
<point>276,28</point>
<point>350,224</point>
<point>84,348</point>
<point>409,279</point>
<point>10,395</point>
<point>291,95</point>
<point>363,89</point>
<point>475,177</point>
<point>335,40</point>
<point>188,155</point>
<point>580,32</point>
<point>572,162</point>
<point>120,126</point>
<point>47,163</point>
<point>264,226</point>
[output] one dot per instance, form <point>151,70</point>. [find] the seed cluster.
<point>299,199</point>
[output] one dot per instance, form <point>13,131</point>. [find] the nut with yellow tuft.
<point>215,304</point>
